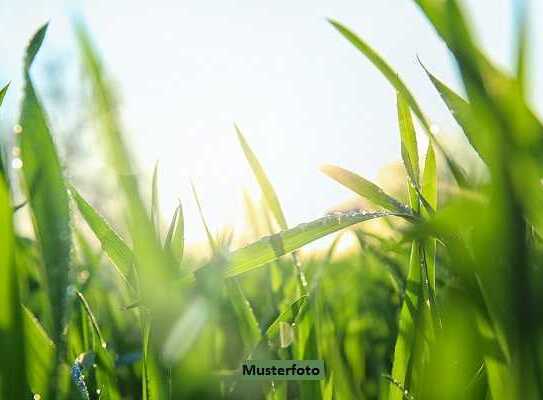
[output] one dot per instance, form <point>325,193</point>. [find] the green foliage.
<point>438,299</point>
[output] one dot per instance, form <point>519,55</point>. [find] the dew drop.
<point>17,129</point>
<point>37,397</point>
<point>15,151</point>
<point>16,163</point>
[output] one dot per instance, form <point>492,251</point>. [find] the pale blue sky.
<point>186,70</point>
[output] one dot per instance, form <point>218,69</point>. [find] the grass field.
<point>439,299</point>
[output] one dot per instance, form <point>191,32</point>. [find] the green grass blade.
<point>410,152</point>
<point>175,238</point>
<point>394,79</point>
<point>114,246</point>
<point>49,200</point>
<point>40,355</point>
<point>272,247</point>
<point>13,382</point>
<point>364,188</point>
<point>248,324</point>
<point>92,318</point>
<point>430,192</point>
<point>267,189</point>
<point>3,92</point>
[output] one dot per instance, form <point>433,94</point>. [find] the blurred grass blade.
<point>175,238</point>
<point>267,189</point>
<point>155,209</point>
<point>365,188</point>
<point>272,247</point>
<point>13,380</point>
<point>114,246</point>
<point>49,200</point>
<point>398,84</point>
<point>249,327</point>
<point>521,25</point>
<point>210,239</point>
<point>39,355</point>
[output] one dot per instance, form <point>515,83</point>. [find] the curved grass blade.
<point>92,318</point>
<point>49,200</point>
<point>249,327</point>
<point>410,152</point>
<point>211,240</point>
<point>430,192</point>
<point>3,92</point>
<point>13,380</point>
<point>394,79</point>
<point>114,246</point>
<point>365,188</point>
<point>267,189</point>
<point>272,247</point>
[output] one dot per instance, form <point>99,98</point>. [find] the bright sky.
<point>303,96</point>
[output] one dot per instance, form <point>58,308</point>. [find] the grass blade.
<point>114,246</point>
<point>210,239</point>
<point>365,188</point>
<point>430,192</point>
<point>49,200</point>
<point>394,79</point>
<point>155,209</point>
<point>249,327</point>
<point>13,382</point>
<point>267,189</point>
<point>410,152</point>
<point>175,238</point>
<point>272,247</point>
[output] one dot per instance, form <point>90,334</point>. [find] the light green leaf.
<point>155,209</point>
<point>365,188</point>
<point>248,324</point>
<point>410,152</point>
<point>114,246</point>
<point>175,238</point>
<point>49,200</point>
<point>272,247</point>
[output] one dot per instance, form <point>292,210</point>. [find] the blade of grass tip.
<point>522,27</point>
<point>365,188</point>
<point>12,346</point>
<point>410,152</point>
<point>394,79</point>
<point>462,113</point>
<point>210,239</point>
<point>272,247</point>
<point>49,201</point>
<point>114,246</point>
<point>175,239</point>
<point>3,92</point>
<point>155,212</point>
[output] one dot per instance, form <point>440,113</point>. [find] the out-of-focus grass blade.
<point>13,382</point>
<point>155,209</point>
<point>49,199</point>
<point>521,42</point>
<point>39,355</point>
<point>364,188</point>
<point>398,84</point>
<point>115,247</point>
<point>272,247</point>
<point>430,191</point>
<point>267,189</point>
<point>175,238</point>
<point>210,239</point>
<point>249,327</point>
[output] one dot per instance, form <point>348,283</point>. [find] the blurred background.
<point>186,71</point>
